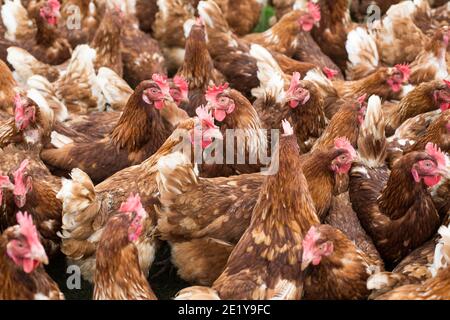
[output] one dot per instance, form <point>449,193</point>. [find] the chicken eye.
<point>154,91</point>
<point>223,100</point>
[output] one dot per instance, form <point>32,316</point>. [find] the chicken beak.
<point>39,254</point>
<point>305,264</point>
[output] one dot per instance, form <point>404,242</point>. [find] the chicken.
<point>8,86</point>
<point>302,104</point>
<point>290,36</point>
<point>98,125</point>
<point>431,63</point>
<point>274,237</point>
<point>17,24</point>
<point>141,54</point>
<point>168,29</point>
<point>342,217</point>
<point>117,272</point>
<point>146,13</point>
<point>138,134</point>
<point>210,235</point>
<point>434,288</point>
<point>34,191</point>
<point>47,44</point>
<point>331,34</point>
<point>437,133</point>
<point>76,90</point>
<point>233,111</point>
<point>22,255</point>
<point>345,123</point>
<point>426,97</point>
<point>107,42</point>
<point>86,208</point>
<point>397,222</point>
<point>338,269</point>
<point>198,68</point>
<point>32,122</point>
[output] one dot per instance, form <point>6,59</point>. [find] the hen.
<point>22,255</point>
<point>117,272</point>
<point>137,135</point>
<point>86,208</point>
<point>198,68</point>
<point>198,233</point>
<point>336,268</point>
<point>397,222</point>
<point>275,235</point>
<point>302,103</point>
<point>46,44</point>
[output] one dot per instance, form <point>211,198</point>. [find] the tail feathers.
<point>321,80</point>
<point>81,73</point>
<point>270,75</point>
<point>362,54</point>
<point>213,17</point>
<point>22,62</point>
<point>404,9</point>
<point>114,88</point>
<point>372,139</point>
<point>79,205</point>
<point>175,172</point>
<point>197,293</point>
<point>48,92</point>
<point>16,20</point>
<point>383,282</point>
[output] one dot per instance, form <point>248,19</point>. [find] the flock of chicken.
<point>356,201</point>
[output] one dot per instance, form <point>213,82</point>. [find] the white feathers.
<point>317,76</point>
<point>58,140</point>
<point>76,195</point>
<point>202,8</point>
<point>362,50</point>
<point>269,75</point>
<point>115,90</point>
<point>377,281</point>
<point>172,161</point>
<point>373,117</point>
<point>442,251</point>
<point>187,26</point>
<point>21,60</point>
<point>14,17</point>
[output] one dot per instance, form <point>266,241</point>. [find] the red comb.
<point>181,83</point>
<point>330,73</point>
<point>314,11</point>
<point>310,239</point>
<point>294,81</point>
<point>27,228</point>
<point>344,143</point>
<point>436,153</point>
<point>405,70</point>
<point>213,91</point>
<point>205,116</point>
<point>133,204</point>
<point>161,81</point>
